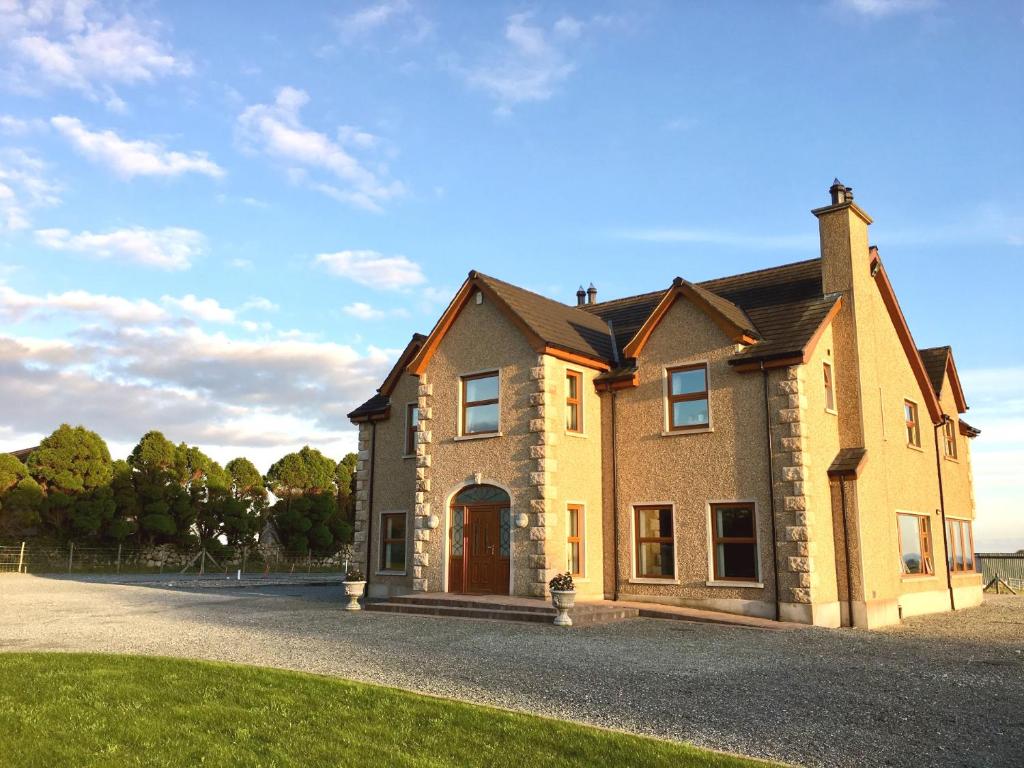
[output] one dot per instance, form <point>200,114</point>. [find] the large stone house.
<point>771,443</point>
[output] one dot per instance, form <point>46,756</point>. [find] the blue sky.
<point>223,219</point>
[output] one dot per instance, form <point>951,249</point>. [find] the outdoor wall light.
<point>522,520</point>
<point>433,522</point>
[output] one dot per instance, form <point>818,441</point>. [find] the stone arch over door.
<point>479,540</point>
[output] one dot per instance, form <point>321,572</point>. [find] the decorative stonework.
<point>540,477</point>
<point>422,509</point>
<point>362,497</point>
<point>791,487</point>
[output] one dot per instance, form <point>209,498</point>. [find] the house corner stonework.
<point>422,508</point>
<point>362,510</point>
<point>542,475</point>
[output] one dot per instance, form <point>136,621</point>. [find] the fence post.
<point>21,558</point>
<point>202,563</point>
<point>71,554</point>
<point>119,558</point>
<point>309,561</point>
<point>245,553</point>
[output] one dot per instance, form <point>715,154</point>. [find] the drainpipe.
<point>615,507</point>
<point>771,487</point>
<point>369,505</point>
<point>942,511</point>
<point>846,549</point>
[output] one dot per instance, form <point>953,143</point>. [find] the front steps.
<point>500,608</point>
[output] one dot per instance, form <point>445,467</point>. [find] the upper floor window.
<point>949,439</point>
<point>574,401</point>
<point>480,403</point>
<point>830,388</point>
<point>915,545</point>
<point>961,546</point>
<point>913,425</point>
<point>655,543</point>
<point>688,398</point>
<point>574,540</point>
<point>734,542</point>
<point>392,542</point>
<point>412,421</point>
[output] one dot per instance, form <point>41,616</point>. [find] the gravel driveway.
<point>937,691</point>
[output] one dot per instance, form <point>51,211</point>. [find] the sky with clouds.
<point>223,220</point>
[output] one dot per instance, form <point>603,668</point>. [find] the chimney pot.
<point>581,297</point>
<point>591,294</point>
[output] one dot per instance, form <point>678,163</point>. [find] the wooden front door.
<point>481,564</point>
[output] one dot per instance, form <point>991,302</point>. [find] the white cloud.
<point>240,263</point>
<point>82,46</point>
<point>133,158</point>
<point>373,269</point>
<point>24,186</point>
<point>277,131</point>
<point>16,306</point>
<point>171,248</point>
<point>411,25</point>
<point>531,66</point>
<point>261,304</point>
<point>208,310</point>
<point>728,239</point>
<point>363,311</point>
<point>16,126</point>
<point>880,8</point>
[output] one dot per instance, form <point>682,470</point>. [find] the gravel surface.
<point>944,690</point>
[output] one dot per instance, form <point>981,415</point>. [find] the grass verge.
<point>104,710</point>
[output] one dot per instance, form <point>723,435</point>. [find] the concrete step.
<point>583,615</point>
<point>533,606</point>
<point>461,612</point>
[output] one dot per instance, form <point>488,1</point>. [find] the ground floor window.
<point>574,540</point>
<point>655,542</point>
<point>734,542</point>
<point>915,545</point>
<point>961,546</point>
<point>392,542</point>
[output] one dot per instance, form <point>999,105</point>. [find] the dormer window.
<point>688,398</point>
<point>480,404</point>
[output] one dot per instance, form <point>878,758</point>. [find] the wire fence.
<point>1007,567</point>
<point>28,557</point>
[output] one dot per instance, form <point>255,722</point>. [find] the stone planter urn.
<point>354,585</point>
<point>563,600</point>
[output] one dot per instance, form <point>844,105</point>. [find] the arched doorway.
<point>479,541</point>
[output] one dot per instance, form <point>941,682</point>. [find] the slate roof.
<point>934,359</point>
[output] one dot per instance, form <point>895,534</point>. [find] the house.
<point>771,444</point>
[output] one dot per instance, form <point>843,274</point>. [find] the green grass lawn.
<point>101,710</point>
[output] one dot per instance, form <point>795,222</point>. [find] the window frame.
<point>382,567</point>
<point>465,405</point>
<point>579,539</point>
<point>949,446</point>
<point>924,541</point>
<point>411,429</point>
<point>635,576</point>
<point>828,371</point>
<point>720,579</point>
<point>671,399</point>
<point>959,544</point>
<point>912,424</point>
<point>576,402</point>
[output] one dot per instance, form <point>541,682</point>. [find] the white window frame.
<point>666,422</point>
<point>712,581</point>
<point>633,578</point>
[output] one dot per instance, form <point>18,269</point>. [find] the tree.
<point>345,480</point>
<point>20,498</point>
<point>244,516</point>
<point>306,515</point>
<point>74,470</point>
<point>124,522</point>
<point>163,505</point>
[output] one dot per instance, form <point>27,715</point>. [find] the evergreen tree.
<point>20,499</point>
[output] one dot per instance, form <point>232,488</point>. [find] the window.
<point>688,398</point>
<point>830,388</point>
<point>655,543</point>
<point>480,404</point>
<point>392,542</point>
<point>412,421</point>
<point>573,401</point>
<point>949,439</point>
<point>961,546</point>
<point>913,427</point>
<point>574,549</point>
<point>915,545</point>
<point>734,542</point>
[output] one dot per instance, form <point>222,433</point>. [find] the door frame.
<point>446,525</point>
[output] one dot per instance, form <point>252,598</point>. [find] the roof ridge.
<point>527,290</point>
<point>759,271</point>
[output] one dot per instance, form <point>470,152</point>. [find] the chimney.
<point>839,193</point>
<point>581,296</point>
<point>591,294</point>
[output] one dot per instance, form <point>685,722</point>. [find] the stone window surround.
<point>666,430</point>
<point>712,581</point>
<point>459,435</point>
<point>379,548</point>
<point>633,578</point>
